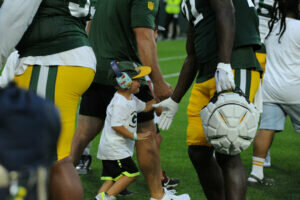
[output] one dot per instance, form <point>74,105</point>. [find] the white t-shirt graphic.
<point>120,112</point>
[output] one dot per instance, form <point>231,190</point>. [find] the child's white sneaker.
<point>104,196</point>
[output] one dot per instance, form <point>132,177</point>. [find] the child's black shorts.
<point>115,169</point>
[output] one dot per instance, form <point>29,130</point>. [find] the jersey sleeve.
<point>15,17</point>
<point>143,13</point>
<point>119,114</point>
<point>140,105</point>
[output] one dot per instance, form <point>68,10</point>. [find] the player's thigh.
<point>248,81</point>
<point>95,100</point>
<point>62,85</point>
<point>71,82</point>
<point>200,96</point>
<point>272,117</point>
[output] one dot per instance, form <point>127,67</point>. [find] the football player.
<point>59,65</point>
<point>221,52</point>
<point>281,80</point>
<point>124,31</point>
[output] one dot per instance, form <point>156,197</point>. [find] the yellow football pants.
<point>246,80</point>
<point>64,85</point>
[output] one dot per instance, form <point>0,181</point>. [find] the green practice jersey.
<point>112,36</point>
<point>200,14</point>
<point>59,25</point>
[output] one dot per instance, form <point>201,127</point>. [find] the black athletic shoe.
<point>84,164</point>
<point>168,182</point>
<point>125,192</point>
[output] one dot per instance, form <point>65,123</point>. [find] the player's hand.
<point>144,136</point>
<point>170,108</point>
<point>224,77</point>
<point>162,90</point>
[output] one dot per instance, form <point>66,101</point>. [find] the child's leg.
<point>106,186</point>
<point>119,185</point>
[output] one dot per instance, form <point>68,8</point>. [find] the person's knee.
<point>228,161</point>
<point>65,182</point>
<point>200,153</point>
<point>89,126</point>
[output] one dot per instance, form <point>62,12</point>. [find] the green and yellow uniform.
<point>112,36</point>
<point>59,63</point>
<point>243,61</point>
<point>264,9</point>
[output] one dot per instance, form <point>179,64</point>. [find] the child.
<point>119,134</point>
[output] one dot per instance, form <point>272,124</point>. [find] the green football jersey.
<point>112,36</point>
<point>200,14</point>
<point>59,25</point>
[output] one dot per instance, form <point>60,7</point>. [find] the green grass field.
<point>285,151</point>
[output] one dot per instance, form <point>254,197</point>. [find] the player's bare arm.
<point>126,133</point>
<point>189,69</point>
<point>225,29</point>
<point>147,51</point>
<point>225,19</point>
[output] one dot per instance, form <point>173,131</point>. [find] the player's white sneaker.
<point>171,196</point>
<point>267,162</point>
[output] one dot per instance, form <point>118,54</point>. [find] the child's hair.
<point>279,11</point>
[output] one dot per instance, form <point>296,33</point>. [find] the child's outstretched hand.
<point>144,136</point>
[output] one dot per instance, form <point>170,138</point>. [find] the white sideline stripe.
<point>171,58</point>
<point>171,75</point>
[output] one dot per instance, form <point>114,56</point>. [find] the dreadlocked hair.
<point>279,12</point>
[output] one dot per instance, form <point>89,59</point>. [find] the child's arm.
<point>149,105</point>
<point>126,133</point>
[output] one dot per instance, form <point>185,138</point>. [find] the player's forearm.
<point>147,50</point>
<point>185,80</point>
<point>225,19</point>
<point>123,131</point>
<point>15,17</point>
<point>189,69</point>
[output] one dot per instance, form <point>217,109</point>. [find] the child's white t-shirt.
<point>120,112</point>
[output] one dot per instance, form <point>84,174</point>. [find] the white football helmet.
<point>230,122</point>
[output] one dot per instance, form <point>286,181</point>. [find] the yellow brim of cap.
<point>144,71</point>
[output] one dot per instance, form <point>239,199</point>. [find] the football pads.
<point>229,122</point>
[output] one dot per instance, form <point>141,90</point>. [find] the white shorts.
<point>274,115</point>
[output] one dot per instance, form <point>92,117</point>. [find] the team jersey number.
<point>190,11</point>
<point>82,8</point>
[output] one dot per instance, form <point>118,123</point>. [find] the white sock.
<point>258,167</point>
